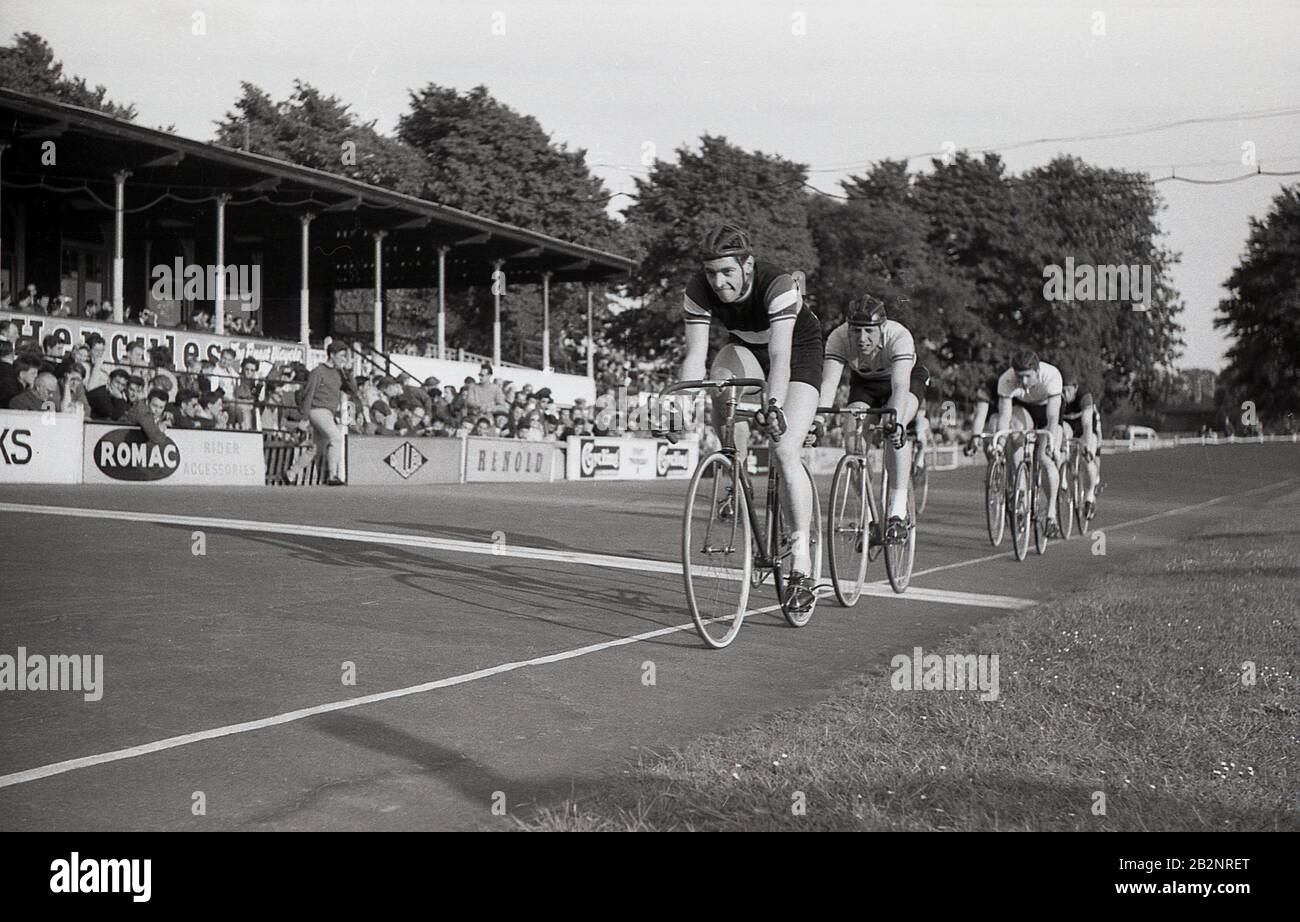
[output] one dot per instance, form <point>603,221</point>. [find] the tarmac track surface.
<point>517,672</point>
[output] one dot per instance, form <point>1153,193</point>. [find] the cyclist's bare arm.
<point>1004,413</point>
<point>832,372</point>
<point>900,383</point>
<point>779,349</point>
<point>697,352</point>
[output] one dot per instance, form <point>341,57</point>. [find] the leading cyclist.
<point>772,335</point>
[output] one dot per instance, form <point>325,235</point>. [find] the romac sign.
<point>128,454</point>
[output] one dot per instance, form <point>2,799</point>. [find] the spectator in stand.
<point>208,381</point>
<point>74,391</point>
<point>52,347</point>
<point>109,401</point>
<point>565,427</point>
<point>515,422</point>
<point>246,393</point>
<point>42,304</point>
<point>320,401</point>
<point>534,429</point>
<point>136,389</point>
<point>417,394</point>
<point>546,404</point>
<point>485,396</point>
<point>501,424</point>
<point>212,408</point>
<point>202,319</point>
<point>27,301</point>
<point>43,394</point>
<point>227,370</point>
<point>149,415</point>
<point>9,384</point>
<point>164,381</point>
<point>9,332</point>
<point>160,359</point>
<point>189,378</point>
<point>383,419</point>
<point>483,427</point>
<point>186,415</point>
<point>62,307</point>
<point>135,359</point>
<point>98,367</point>
<point>92,309</point>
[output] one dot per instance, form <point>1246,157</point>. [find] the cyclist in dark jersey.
<point>1079,412</point>
<point>772,335</point>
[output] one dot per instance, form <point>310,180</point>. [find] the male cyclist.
<point>1034,387</point>
<point>881,357</point>
<point>1079,411</point>
<point>773,335</point>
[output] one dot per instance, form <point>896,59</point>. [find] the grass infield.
<point>1133,689</point>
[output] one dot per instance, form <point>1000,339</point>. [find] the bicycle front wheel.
<point>846,529</point>
<point>995,498</point>
<point>717,554</point>
<point>1021,509</point>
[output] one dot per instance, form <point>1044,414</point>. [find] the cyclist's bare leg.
<point>796,492</point>
<point>899,463</point>
<point>1045,452</point>
<point>733,362</point>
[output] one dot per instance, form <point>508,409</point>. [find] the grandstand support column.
<point>119,232</point>
<point>497,285</point>
<point>379,290</point>
<point>304,293</point>
<point>13,282</point>
<point>546,321</point>
<point>591,340</point>
<point>219,315</point>
<point>442,302</point>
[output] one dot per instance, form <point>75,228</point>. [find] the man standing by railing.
<point>320,399</point>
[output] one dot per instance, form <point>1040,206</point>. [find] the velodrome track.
<point>518,671</point>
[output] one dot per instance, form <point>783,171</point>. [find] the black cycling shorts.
<point>1037,412</point>
<point>874,392</point>
<point>806,350</point>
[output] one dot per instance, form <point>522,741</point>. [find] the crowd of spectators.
<point>32,301</point>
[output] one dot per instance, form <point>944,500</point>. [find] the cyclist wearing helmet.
<point>881,357</point>
<point>1035,388</point>
<point>1079,412</point>
<point>772,335</point>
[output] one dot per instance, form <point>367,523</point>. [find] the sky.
<point>834,84</point>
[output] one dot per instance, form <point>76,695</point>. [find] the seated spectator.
<point>42,304</point>
<point>534,429</point>
<point>546,405</point>
<point>136,389</point>
<point>9,332</point>
<point>202,319</point>
<point>208,381</point>
<point>92,309</point>
<point>483,427</point>
<point>212,409</point>
<point>106,311</point>
<point>189,378</point>
<point>383,419</point>
<point>43,394</point>
<point>150,415</point>
<point>74,391</point>
<point>417,394</point>
<point>9,384</point>
<point>62,307</point>
<point>135,359</point>
<point>52,348</point>
<point>501,423</point>
<point>99,368</point>
<point>165,382</point>
<point>515,422</point>
<point>186,415</point>
<point>109,401</point>
<point>160,359</point>
<point>564,425</point>
<point>26,301</point>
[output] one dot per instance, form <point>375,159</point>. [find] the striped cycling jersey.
<point>773,298</point>
<point>898,346</point>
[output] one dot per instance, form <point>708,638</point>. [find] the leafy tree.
<point>29,67</point>
<point>678,201</point>
<point>483,156</point>
<point>1262,312</point>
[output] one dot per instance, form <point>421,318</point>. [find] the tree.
<point>1262,312</point>
<point>321,132</point>
<point>482,156</point>
<point>677,202</point>
<point>29,67</point>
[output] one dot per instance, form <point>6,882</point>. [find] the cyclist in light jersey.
<point>772,335</point>
<point>1035,387</point>
<point>880,355</point>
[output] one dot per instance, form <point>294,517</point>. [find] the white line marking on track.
<point>608,561</point>
<point>248,726</point>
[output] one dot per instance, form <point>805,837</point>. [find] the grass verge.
<point>1137,690</point>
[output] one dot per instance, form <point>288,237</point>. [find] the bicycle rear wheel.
<point>783,556</point>
<point>921,481</point>
<point>846,529</point>
<point>995,498</point>
<point>1021,503</point>
<point>717,554</point>
<point>899,557</point>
